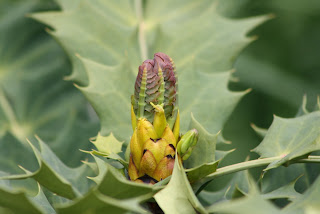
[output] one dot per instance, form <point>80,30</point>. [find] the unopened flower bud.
<point>156,122</point>
<point>186,143</point>
<point>157,83</point>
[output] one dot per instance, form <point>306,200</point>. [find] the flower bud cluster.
<point>156,122</point>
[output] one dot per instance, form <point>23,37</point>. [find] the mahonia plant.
<point>156,122</point>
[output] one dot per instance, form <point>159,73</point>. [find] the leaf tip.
<point>91,178</point>
<point>229,142</point>
<point>247,158</point>
<point>92,139</point>
<point>234,79</point>
<point>248,90</point>
<point>66,78</point>
<point>77,86</point>
<point>254,150</point>
<point>232,150</point>
<point>48,30</point>
<point>29,142</point>
<point>253,38</point>
<point>227,191</point>
<point>85,151</point>
<point>37,137</point>
<point>85,161</point>
<point>275,116</point>
<point>271,16</point>
<point>21,167</point>
<point>24,169</point>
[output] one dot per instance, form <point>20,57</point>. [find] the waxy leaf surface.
<point>55,176</point>
<point>291,138</point>
<point>117,36</point>
<point>113,193</point>
<point>178,196</point>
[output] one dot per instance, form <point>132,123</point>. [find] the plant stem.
<point>242,166</point>
<point>142,38</point>
<point>310,159</point>
<point>199,185</point>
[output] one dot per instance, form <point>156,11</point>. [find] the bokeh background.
<point>280,67</point>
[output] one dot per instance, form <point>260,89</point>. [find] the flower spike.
<point>156,122</point>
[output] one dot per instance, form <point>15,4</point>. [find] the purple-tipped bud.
<point>157,83</point>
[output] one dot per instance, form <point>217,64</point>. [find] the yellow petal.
<point>168,136</point>
<point>176,127</point>
<point>133,119</point>
<point>145,131</point>
<point>132,170</point>
<point>157,148</point>
<point>135,149</point>
<point>159,121</point>
<point>169,150</point>
<point>164,168</point>
<point>148,164</point>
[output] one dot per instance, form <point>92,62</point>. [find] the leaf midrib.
<point>142,36</point>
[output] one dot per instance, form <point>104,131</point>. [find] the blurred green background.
<point>280,67</point>
<point>34,97</point>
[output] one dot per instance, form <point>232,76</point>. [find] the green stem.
<point>241,166</point>
<point>310,159</point>
<point>199,185</point>
<point>142,38</point>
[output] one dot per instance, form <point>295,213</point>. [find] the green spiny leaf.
<point>112,156</point>
<point>95,202</point>
<point>107,145</point>
<point>260,131</point>
<point>16,196</point>
<point>204,151</point>
<point>250,203</point>
<point>218,191</point>
<point>201,171</point>
<point>54,175</point>
<point>134,37</point>
<point>111,102</point>
<point>309,201</point>
<point>177,196</point>
<point>113,183</point>
<point>117,23</point>
<point>113,193</point>
<point>286,191</point>
<point>291,138</point>
<point>203,160</point>
<point>303,108</point>
<point>282,176</point>
<point>279,177</point>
